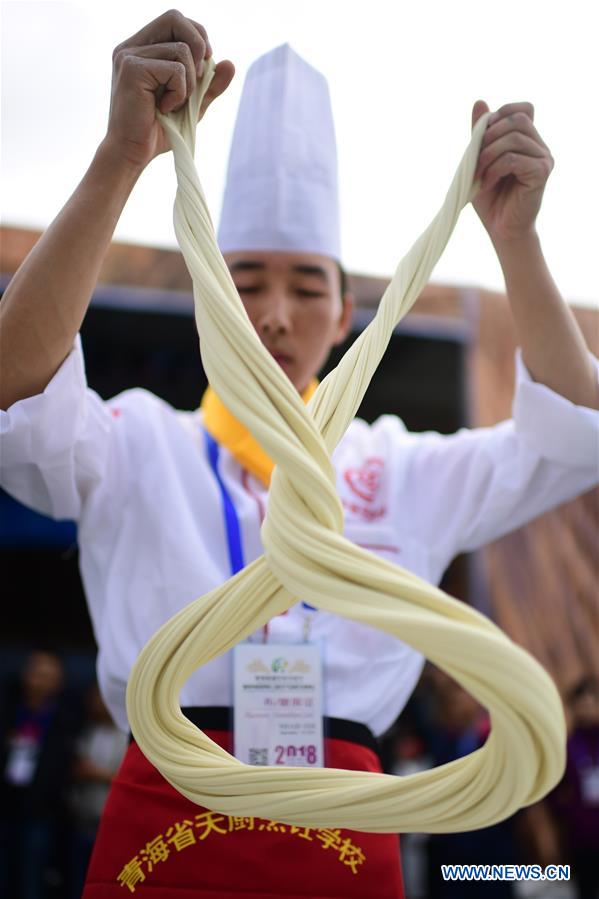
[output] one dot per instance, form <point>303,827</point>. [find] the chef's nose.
<point>275,316</point>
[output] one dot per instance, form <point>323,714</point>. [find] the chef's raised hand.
<point>513,166</point>
<point>157,68</point>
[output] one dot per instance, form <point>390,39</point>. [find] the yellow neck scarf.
<point>230,432</point>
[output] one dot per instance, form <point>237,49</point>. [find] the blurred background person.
<point>38,723</point>
<point>575,800</point>
<point>460,727</point>
<point>99,751</point>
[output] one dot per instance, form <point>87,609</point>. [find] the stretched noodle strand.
<point>306,554</point>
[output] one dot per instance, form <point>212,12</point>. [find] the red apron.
<point>153,842</point>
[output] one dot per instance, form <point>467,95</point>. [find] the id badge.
<point>278,704</point>
<point>589,785</point>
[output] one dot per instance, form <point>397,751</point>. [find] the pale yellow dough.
<point>305,554</point>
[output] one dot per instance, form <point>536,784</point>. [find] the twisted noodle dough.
<point>305,555</point>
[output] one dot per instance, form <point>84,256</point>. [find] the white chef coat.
<point>134,473</point>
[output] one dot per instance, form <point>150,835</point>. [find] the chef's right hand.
<point>157,68</point>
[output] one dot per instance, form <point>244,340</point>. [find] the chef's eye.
<point>309,294</point>
<point>247,289</point>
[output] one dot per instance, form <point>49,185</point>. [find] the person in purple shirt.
<point>576,799</point>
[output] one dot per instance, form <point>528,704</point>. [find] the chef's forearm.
<point>44,304</point>
<point>553,347</point>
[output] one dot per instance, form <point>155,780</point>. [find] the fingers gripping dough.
<point>305,554</point>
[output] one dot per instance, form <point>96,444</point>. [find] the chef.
<point>169,504</point>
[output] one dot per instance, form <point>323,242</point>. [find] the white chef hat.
<point>281,191</point>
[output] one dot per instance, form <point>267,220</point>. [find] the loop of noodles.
<point>305,555</point>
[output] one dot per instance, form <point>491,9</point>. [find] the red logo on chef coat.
<point>365,483</point>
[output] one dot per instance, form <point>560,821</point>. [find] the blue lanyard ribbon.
<point>232,528</point>
<point>234,545</point>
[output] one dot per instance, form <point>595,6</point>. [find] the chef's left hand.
<point>514,164</point>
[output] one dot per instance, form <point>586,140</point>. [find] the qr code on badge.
<point>258,756</point>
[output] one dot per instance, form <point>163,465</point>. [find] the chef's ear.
<point>346,318</point>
